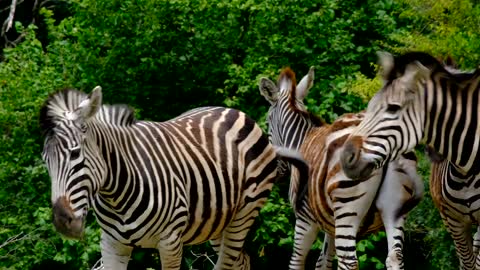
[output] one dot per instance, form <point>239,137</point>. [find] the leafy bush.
<point>164,57</point>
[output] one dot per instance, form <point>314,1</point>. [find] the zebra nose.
<point>350,155</point>
<point>65,221</point>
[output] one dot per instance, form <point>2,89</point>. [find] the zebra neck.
<point>451,126</point>
<point>295,135</point>
<point>116,151</point>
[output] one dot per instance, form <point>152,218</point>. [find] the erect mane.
<point>402,61</point>
<point>432,63</point>
<point>287,73</point>
<point>65,102</point>
<point>452,67</point>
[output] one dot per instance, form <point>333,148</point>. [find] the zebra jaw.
<point>65,221</point>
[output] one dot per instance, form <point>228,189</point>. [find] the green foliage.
<point>164,57</point>
<point>27,75</point>
<point>443,28</point>
<point>362,86</point>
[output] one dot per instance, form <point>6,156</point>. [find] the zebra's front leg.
<point>476,242</point>
<point>306,232</point>
<point>401,190</point>
<point>115,256</point>
<point>395,238</point>
<point>476,247</point>
<point>325,260</point>
<point>170,248</point>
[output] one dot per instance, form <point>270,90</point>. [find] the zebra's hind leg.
<point>243,260</point>
<point>170,248</point>
<point>306,232</point>
<point>462,238</point>
<point>115,256</point>
<point>231,254</point>
<point>325,260</point>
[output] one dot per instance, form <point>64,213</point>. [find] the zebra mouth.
<point>65,222</point>
<point>72,230</point>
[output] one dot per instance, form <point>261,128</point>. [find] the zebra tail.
<point>296,159</point>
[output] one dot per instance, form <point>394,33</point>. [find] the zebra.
<point>201,176</point>
<point>329,201</point>
<point>424,102</point>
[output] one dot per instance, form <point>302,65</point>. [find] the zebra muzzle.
<point>352,163</point>
<point>65,221</point>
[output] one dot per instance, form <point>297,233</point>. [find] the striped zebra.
<point>201,176</point>
<point>424,102</point>
<point>329,201</point>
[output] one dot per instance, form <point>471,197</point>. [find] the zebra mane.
<point>448,68</point>
<point>287,73</point>
<point>60,105</point>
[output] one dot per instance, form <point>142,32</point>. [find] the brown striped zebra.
<point>201,176</point>
<point>424,102</point>
<point>330,201</point>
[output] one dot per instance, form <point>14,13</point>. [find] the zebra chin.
<point>65,221</point>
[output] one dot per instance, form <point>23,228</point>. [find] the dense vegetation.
<point>164,57</point>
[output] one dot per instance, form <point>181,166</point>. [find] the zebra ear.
<point>305,84</point>
<point>90,106</point>
<point>386,62</point>
<point>269,90</point>
<point>413,73</point>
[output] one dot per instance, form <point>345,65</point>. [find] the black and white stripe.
<point>329,200</point>
<point>424,102</point>
<point>201,176</point>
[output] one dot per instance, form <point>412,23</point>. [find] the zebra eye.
<point>393,108</point>
<point>74,153</point>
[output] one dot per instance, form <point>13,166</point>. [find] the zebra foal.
<point>201,176</point>
<point>330,201</point>
<point>424,102</point>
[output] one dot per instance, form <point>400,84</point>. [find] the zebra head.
<point>288,118</point>
<point>394,119</point>
<point>75,177</point>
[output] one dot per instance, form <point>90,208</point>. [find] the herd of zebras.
<point>204,175</point>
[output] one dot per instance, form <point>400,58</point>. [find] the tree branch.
<point>9,21</point>
<point>13,239</point>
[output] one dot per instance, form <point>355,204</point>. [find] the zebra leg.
<point>325,260</point>
<point>115,256</point>
<point>306,232</point>
<point>395,239</point>
<point>476,244</point>
<point>350,207</point>
<point>462,238</point>
<point>401,190</point>
<point>170,248</point>
<point>231,254</point>
<point>243,260</point>
<point>476,248</point>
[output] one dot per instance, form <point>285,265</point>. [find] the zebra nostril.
<point>351,158</point>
